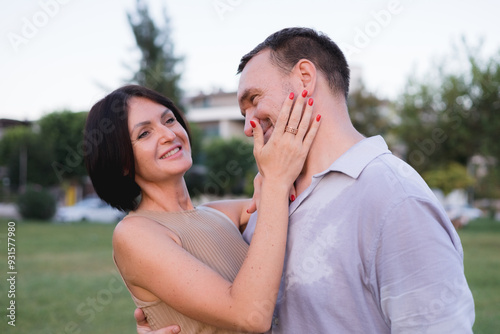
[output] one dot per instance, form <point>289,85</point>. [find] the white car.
<point>91,209</point>
<point>462,215</point>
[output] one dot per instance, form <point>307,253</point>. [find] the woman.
<point>189,265</point>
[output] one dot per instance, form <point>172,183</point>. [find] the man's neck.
<point>335,136</point>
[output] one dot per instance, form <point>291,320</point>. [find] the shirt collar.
<point>358,157</point>
<point>350,163</point>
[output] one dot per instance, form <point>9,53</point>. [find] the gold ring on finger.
<point>291,130</point>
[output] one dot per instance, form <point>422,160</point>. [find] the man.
<point>370,249</point>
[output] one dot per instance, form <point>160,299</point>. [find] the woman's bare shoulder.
<point>133,229</point>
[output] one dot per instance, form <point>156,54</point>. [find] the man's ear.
<point>307,73</point>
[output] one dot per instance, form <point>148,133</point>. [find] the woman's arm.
<point>193,288</point>
<point>240,210</point>
<point>156,267</point>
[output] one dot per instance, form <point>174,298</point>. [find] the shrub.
<point>228,164</point>
<point>36,203</point>
<point>452,176</point>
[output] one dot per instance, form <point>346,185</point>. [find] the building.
<point>217,114</point>
<point>9,123</point>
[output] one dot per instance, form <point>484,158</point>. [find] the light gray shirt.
<point>371,250</point>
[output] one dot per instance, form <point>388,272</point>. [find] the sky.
<point>67,54</point>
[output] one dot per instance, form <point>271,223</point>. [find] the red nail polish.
<point>310,102</point>
<point>248,211</point>
<point>318,118</point>
<point>252,123</point>
<point>304,93</point>
<point>291,96</point>
<point>292,198</point>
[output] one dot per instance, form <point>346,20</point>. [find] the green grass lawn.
<point>66,281</point>
<point>481,243</point>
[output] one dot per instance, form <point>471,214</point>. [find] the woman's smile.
<point>170,153</point>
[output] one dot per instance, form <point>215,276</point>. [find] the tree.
<point>452,115</point>
<point>453,176</point>
<point>228,165</point>
<point>48,153</point>
<point>63,131</point>
<point>158,65</point>
<point>196,176</point>
<point>27,157</point>
<point>368,113</point>
<point>196,141</point>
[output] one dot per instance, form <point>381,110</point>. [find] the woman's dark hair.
<point>290,45</point>
<point>109,157</point>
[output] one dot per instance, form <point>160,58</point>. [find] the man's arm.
<point>143,326</point>
<point>422,287</point>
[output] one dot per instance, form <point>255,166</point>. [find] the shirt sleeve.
<point>250,229</point>
<point>419,271</point>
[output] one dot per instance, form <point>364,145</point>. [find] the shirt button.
<point>276,322</point>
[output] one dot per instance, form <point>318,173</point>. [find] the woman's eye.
<point>252,99</point>
<point>143,134</point>
<point>170,120</point>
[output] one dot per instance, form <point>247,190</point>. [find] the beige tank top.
<point>212,238</point>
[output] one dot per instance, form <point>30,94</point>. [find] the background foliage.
<point>36,203</point>
<point>445,124</point>
<point>453,115</point>
<point>158,66</point>
<point>228,165</point>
